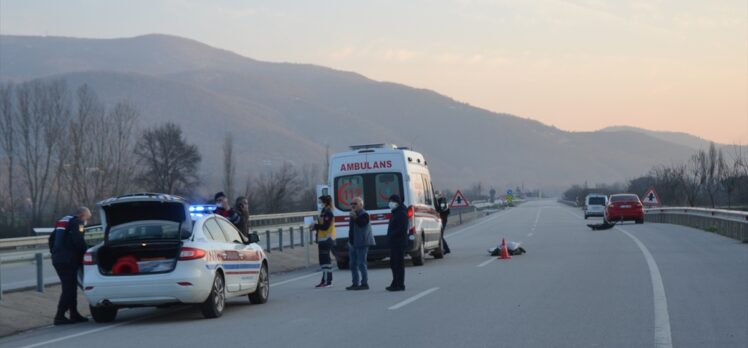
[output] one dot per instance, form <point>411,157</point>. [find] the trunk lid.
<point>145,216</point>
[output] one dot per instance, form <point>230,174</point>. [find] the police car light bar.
<point>200,210</point>
<point>373,146</point>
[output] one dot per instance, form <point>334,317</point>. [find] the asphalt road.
<point>634,286</point>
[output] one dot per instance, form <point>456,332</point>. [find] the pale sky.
<point>678,65</point>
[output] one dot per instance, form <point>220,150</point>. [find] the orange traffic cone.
<point>504,251</point>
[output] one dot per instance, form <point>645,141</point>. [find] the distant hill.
<point>280,111</point>
<point>679,138</point>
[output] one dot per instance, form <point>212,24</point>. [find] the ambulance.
<point>374,173</point>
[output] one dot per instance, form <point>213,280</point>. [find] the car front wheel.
<point>216,301</point>
<point>262,292</point>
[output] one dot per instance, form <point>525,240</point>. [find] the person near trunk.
<point>444,215</point>
<point>325,228</point>
<point>360,238</point>
<point>397,235</point>
<point>224,209</point>
<point>242,208</point>
<point>68,246</point>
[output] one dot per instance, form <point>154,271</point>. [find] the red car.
<point>624,207</point>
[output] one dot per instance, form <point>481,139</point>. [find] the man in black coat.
<point>397,234</point>
<point>68,247</point>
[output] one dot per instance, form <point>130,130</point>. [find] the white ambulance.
<point>374,173</point>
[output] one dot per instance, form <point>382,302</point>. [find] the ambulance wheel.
<point>216,301</point>
<point>342,263</point>
<point>418,256</point>
<point>103,314</point>
<point>262,292</point>
<point>439,252</point>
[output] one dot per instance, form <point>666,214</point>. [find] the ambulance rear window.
<point>375,189</point>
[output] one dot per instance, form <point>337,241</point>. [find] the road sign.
<point>459,201</point>
<point>651,198</point>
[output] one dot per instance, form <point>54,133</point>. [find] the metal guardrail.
<point>274,239</point>
<point>728,223</point>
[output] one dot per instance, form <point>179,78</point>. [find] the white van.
<point>594,205</point>
<point>374,173</point>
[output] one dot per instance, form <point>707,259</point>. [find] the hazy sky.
<point>678,65</point>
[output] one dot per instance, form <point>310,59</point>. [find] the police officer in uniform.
<point>68,247</point>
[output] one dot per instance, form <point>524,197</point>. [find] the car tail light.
<point>88,258</point>
<point>191,254</point>
<point>411,220</point>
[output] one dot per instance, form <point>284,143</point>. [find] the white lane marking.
<point>662,335</point>
<point>410,300</point>
<point>294,279</point>
<point>537,217</point>
<point>490,219</point>
<point>88,332</point>
<point>486,262</point>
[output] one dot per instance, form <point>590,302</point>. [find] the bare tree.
<point>7,132</point>
<point>276,188</point>
<point>229,168</point>
<point>310,176</point>
<point>169,162</point>
<point>122,120</point>
<point>689,175</point>
<point>43,112</point>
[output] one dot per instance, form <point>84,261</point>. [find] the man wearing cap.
<point>397,234</point>
<point>223,209</point>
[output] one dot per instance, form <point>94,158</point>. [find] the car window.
<point>597,201</point>
<point>428,199</point>
<point>214,231</point>
<point>624,198</point>
<point>419,193</point>
<point>375,189</point>
<point>230,232</point>
<point>144,230</point>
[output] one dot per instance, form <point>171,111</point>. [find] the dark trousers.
<point>397,264</point>
<point>325,261</point>
<point>68,274</point>
<point>444,241</point>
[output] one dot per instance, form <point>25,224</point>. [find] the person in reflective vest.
<point>325,228</point>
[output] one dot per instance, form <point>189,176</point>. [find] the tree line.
<point>711,177</point>
<point>65,147</point>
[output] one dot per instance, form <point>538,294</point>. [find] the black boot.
<point>77,317</point>
<point>60,318</point>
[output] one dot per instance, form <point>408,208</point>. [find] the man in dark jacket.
<point>223,209</point>
<point>242,208</point>
<point>444,215</point>
<point>68,247</point>
<point>397,234</point>
<point>360,238</point>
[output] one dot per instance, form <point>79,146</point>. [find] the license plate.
<point>625,206</point>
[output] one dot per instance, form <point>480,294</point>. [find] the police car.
<point>374,173</point>
<point>158,250</point>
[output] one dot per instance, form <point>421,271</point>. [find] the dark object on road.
<point>603,226</point>
<point>514,248</point>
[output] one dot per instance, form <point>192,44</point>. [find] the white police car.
<point>154,254</point>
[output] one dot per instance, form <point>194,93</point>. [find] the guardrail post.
<point>290,231</point>
<point>460,217</point>
<point>39,272</point>
<point>267,239</point>
<point>1,279</point>
<point>306,246</point>
<point>280,239</point>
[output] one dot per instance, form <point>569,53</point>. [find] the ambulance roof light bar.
<point>373,146</point>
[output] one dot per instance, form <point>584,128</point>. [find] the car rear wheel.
<point>419,255</point>
<point>103,314</point>
<point>262,292</point>
<point>214,305</point>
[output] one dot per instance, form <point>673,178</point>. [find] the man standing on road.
<point>397,234</point>
<point>224,209</point>
<point>360,238</point>
<point>444,215</point>
<point>68,247</point>
<point>242,207</point>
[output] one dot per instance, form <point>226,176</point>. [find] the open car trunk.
<point>138,258</point>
